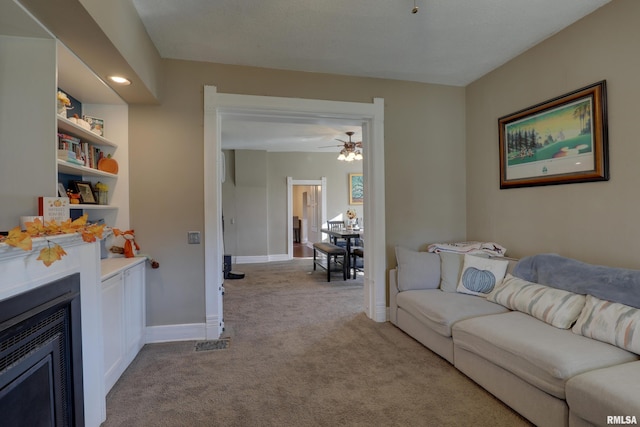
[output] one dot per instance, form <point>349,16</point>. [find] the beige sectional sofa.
<point>558,352</point>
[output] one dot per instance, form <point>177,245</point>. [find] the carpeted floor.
<point>299,352</point>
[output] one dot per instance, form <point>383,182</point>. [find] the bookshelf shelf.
<point>82,133</point>
<point>92,207</point>
<point>70,168</point>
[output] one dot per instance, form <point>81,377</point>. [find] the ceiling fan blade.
<point>331,146</point>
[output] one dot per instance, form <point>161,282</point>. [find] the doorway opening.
<point>305,219</point>
<point>306,203</point>
<point>371,117</point>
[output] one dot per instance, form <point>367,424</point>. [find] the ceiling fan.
<point>350,149</point>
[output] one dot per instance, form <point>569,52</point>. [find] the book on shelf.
<point>53,208</point>
<point>73,150</point>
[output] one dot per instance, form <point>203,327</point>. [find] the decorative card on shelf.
<point>54,208</point>
<point>97,125</point>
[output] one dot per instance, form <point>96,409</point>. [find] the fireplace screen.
<point>41,356</point>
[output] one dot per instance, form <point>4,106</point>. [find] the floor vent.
<point>209,345</point>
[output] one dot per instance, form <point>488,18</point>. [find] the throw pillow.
<point>553,306</point>
<point>417,270</point>
<point>480,275</point>
<point>610,322</point>
<point>450,268</point>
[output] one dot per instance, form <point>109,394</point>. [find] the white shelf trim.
<point>92,207</point>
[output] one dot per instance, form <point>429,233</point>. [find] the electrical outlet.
<point>193,237</point>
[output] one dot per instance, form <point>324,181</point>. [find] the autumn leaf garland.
<point>53,251</point>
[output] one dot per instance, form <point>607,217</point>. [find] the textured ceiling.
<point>451,42</point>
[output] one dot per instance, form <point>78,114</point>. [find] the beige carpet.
<point>301,353</point>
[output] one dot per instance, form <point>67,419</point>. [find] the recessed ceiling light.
<point>120,80</point>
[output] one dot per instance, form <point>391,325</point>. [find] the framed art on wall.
<point>356,189</point>
<point>560,141</point>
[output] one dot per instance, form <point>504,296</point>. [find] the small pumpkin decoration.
<point>476,280</point>
<point>108,164</point>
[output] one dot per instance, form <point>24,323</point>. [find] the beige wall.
<point>424,167</point>
<point>595,222</point>
<point>27,127</point>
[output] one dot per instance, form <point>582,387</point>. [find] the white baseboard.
<point>259,259</point>
<point>250,259</point>
<point>166,333</point>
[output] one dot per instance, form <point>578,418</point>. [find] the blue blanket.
<point>612,284</point>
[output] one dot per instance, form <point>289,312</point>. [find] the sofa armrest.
<point>393,294</point>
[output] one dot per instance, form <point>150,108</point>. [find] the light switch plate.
<point>193,237</point>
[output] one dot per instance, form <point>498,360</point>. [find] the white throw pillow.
<point>451,265</point>
<point>610,322</point>
<point>480,275</point>
<point>417,270</point>
<point>556,307</point>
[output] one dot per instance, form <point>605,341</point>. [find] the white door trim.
<point>371,115</point>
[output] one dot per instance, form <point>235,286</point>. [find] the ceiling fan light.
<point>350,151</point>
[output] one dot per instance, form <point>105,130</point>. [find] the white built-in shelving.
<point>98,100</point>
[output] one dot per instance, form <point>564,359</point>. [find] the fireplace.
<point>41,356</point>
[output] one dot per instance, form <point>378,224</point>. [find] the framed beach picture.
<point>356,189</point>
<point>560,141</point>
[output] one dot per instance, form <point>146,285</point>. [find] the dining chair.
<point>337,225</point>
<point>357,257</point>
<point>357,262</point>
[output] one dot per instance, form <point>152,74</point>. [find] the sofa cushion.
<point>480,275</point>
<point>553,306</point>
<point>440,310</point>
<point>417,270</point>
<point>610,322</point>
<point>535,351</point>
<point>450,268</point>
<point>612,284</point>
<point>614,391</point>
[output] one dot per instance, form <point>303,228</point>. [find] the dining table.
<point>347,234</point>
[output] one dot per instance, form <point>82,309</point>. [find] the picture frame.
<point>96,124</point>
<point>356,189</point>
<point>560,141</point>
<point>85,189</point>
<point>61,191</point>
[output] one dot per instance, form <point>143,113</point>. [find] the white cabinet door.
<point>134,300</point>
<point>112,328</point>
<point>123,320</point>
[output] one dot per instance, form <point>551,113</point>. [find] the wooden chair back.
<point>335,225</point>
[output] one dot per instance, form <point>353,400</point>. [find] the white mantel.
<point>20,271</point>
